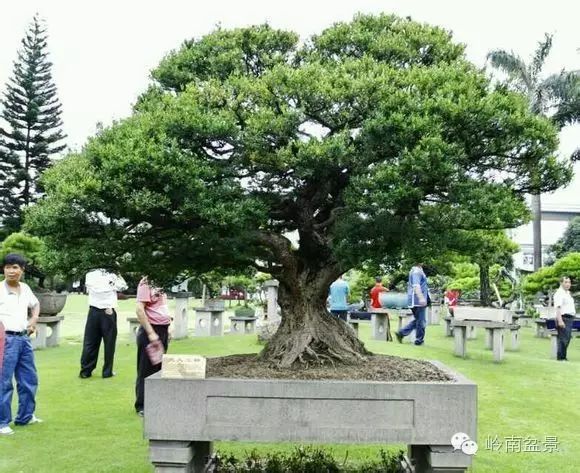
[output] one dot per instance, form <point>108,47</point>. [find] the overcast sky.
<point>104,50</point>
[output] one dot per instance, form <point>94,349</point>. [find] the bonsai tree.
<point>301,161</point>
<point>32,248</point>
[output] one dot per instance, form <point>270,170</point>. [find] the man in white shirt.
<point>102,287</point>
<point>16,299</point>
<point>565,313</point>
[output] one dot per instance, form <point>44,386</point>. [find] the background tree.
<point>557,96</point>
<point>547,279</point>
<point>375,136</point>
<point>32,113</point>
<point>570,240</point>
<point>486,249</point>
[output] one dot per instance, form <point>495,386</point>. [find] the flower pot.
<point>51,303</point>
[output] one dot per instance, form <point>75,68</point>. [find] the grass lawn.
<point>90,426</point>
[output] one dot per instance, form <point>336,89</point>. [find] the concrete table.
<point>495,329</point>
<point>243,325</point>
<point>47,332</point>
<point>209,322</point>
<point>380,325</point>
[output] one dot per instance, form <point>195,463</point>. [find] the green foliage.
<point>28,246</point>
<point>360,283</point>
<point>467,285</point>
<point>547,279</point>
<point>32,113</point>
<point>302,460</point>
<point>570,240</point>
<point>246,135</point>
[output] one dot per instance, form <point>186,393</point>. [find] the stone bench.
<point>541,328</point>
<point>471,331</point>
<point>379,320</point>
<point>554,338</point>
<point>494,337</point>
<point>133,327</point>
<point>243,325</point>
<point>355,318</point>
<point>545,326</point>
<point>514,337</point>
<point>47,332</point>
<point>523,320</point>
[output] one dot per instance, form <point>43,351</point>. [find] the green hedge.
<point>302,460</point>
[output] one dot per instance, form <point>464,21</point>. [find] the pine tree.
<point>10,171</point>
<point>31,112</point>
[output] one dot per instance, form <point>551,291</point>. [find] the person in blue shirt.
<point>417,298</point>
<point>338,295</point>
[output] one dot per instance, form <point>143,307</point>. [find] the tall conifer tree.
<point>31,129</point>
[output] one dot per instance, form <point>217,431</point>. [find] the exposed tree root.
<point>322,340</point>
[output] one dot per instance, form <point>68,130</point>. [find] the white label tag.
<point>183,367</point>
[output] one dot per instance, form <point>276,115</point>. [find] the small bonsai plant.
<point>31,248</point>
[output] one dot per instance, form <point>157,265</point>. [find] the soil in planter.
<point>375,368</point>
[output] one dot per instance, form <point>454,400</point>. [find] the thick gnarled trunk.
<point>307,333</point>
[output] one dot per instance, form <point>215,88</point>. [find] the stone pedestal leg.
<point>418,456</point>
<point>201,453</point>
<point>448,328</point>
<point>53,338</point>
<point>251,327</point>
<point>179,457</point>
<point>171,456</point>
<point>488,344</point>
<point>180,318</point>
<point>444,459</point>
<point>471,332</point>
<point>271,287</point>
<point>515,339</point>
<point>217,324</point>
<point>40,340</point>
<point>379,329</point>
<point>554,340</point>
<point>202,323</point>
<point>497,342</point>
<point>435,314</point>
<point>460,334</point>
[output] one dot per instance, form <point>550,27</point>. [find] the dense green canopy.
<point>371,137</point>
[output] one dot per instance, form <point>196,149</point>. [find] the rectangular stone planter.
<point>184,416</point>
<point>489,314</point>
